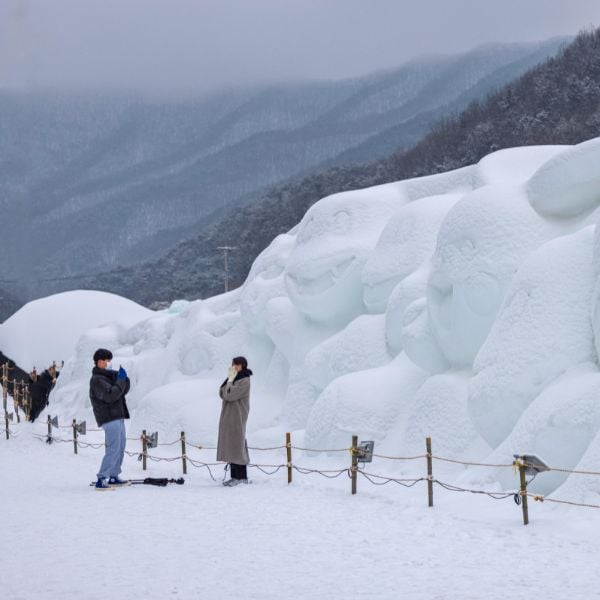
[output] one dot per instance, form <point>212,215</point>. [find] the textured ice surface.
<point>264,282</point>
<point>558,426</point>
<point>334,241</point>
<point>481,243</point>
<point>359,346</point>
<point>464,306</point>
<point>513,164</point>
<point>406,242</point>
<point>367,403</point>
<point>543,329</point>
<point>411,288</point>
<point>568,184</point>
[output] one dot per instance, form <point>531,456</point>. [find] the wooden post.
<point>26,401</point>
<point>15,393</point>
<point>16,405</point>
<point>144,449</point>
<point>75,436</point>
<point>288,449</point>
<point>429,471</point>
<point>4,385</point>
<point>183,455</point>
<point>5,396</point>
<point>49,438</point>
<point>523,493</point>
<point>354,468</point>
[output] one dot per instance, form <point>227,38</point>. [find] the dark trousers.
<point>238,471</point>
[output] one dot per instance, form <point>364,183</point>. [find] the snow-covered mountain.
<point>461,306</point>
<point>88,183</point>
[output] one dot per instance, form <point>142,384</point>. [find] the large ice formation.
<point>464,306</point>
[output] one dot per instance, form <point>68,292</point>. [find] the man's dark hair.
<point>102,354</point>
<point>240,360</point>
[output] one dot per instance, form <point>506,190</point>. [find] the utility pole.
<point>226,250</point>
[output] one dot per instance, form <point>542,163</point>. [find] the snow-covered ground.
<point>268,540</point>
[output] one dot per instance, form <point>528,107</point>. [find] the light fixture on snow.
<point>54,422</point>
<point>365,452</point>
<point>531,463</point>
<point>80,428</point>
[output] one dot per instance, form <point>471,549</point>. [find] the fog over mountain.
<point>89,182</point>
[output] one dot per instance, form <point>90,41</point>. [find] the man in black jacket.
<point>107,394</point>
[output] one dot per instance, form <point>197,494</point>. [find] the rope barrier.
<point>328,450</point>
<point>317,450</point>
<point>540,498</point>
<point>400,457</point>
<point>570,471</point>
<point>494,495</point>
<point>373,478</point>
<point>404,482</point>
<point>324,473</point>
<point>199,465</point>
<point>471,464</point>
<point>263,467</point>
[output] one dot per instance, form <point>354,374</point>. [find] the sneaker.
<point>234,482</point>
<point>101,484</point>
<point>116,481</point>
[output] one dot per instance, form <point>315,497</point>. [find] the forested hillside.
<point>557,102</point>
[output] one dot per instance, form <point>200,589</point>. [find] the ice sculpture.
<point>543,329</point>
<point>335,238</point>
<point>464,305</point>
<point>568,184</point>
<point>406,242</point>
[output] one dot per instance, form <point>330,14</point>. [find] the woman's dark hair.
<point>240,360</point>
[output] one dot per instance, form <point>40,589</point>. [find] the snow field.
<point>268,540</point>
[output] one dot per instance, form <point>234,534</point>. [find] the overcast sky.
<point>189,45</point>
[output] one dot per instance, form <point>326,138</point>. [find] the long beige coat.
<point>232,447</point>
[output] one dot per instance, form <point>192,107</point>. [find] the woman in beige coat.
<point>232,447</point>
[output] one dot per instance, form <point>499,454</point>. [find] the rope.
<point>90,445</point>
<point>170,443</point>
<point>408,483</point>
<point>320,450</point>
<point>471,464</point>
<point>570,471</point>
<point>494,495</point>
<point>400,457</point>
<point>260,468</point>
<point>199,465</point>
<point>540,498</point>
<point>324,473</point>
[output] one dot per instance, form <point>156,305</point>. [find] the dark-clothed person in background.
<point>232,447</point>
<point>107,394</point>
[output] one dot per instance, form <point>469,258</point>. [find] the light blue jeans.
<point>114,438</point>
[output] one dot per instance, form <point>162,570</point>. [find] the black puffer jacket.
<point>107,394</point>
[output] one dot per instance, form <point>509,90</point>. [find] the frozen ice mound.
<point>569,183</point>
<point>464,306</point>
